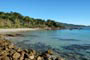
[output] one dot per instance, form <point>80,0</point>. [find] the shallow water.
<point>71,44</point>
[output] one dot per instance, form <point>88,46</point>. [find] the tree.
<point>17,23</point>
<point>14,19</point>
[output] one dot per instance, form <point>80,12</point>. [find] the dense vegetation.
<point>16,20</point>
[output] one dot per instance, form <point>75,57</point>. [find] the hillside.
<point>16,20</point>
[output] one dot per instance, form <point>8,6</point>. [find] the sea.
<point>70,44</point>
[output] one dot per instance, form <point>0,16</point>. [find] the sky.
<point>66,11</point>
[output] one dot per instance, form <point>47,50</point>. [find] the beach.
<point>17,30</point>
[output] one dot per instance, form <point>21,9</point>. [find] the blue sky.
<point>67,11</point>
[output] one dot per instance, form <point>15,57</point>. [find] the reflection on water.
<point>73,45</point>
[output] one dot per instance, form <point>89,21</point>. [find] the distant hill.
<point>72,26</point>
<point>16,20</point>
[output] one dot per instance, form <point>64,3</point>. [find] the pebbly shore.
<point>8,51</point>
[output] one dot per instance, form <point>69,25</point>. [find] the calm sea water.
<point>65,42</point>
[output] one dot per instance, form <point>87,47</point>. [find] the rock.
<point>50,52</point>
<point>4,43</point>
<point>19,50</point>
<point>31,56</point>
<point>26,55</point>
<point>7,49</point>
<point>26,50</point>
<point>22,55</point>
<point>59,58</point>
<point>4,53</point>
<point>11,35</point>
<point>21,58</point>
<point>33,52</point>
<point>12,52</point>
<point>11,46</point>
<point>39,58</point>
<point>5,58</point>
<point>9,52</point>
<point>27,59</point>
<point>48,56</point>
<point>18,34</point>
<point>16,55</point>
<point>1,36</point>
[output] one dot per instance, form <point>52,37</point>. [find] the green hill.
<point>16,20</point>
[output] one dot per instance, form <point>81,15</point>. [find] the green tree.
<point>17,23</point>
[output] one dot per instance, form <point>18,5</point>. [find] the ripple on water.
<point>62,39</point>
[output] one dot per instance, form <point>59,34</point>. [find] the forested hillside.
<point>16,20</point>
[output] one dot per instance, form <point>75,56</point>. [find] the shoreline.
<point>7,30</point>
<point>56,53</point>
<point>8,51</point>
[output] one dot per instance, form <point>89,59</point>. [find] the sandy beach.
<point>17,30</point>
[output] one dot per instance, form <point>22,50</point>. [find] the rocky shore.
<point>8,51</point>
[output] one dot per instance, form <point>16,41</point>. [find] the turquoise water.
<point>75,42</point>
